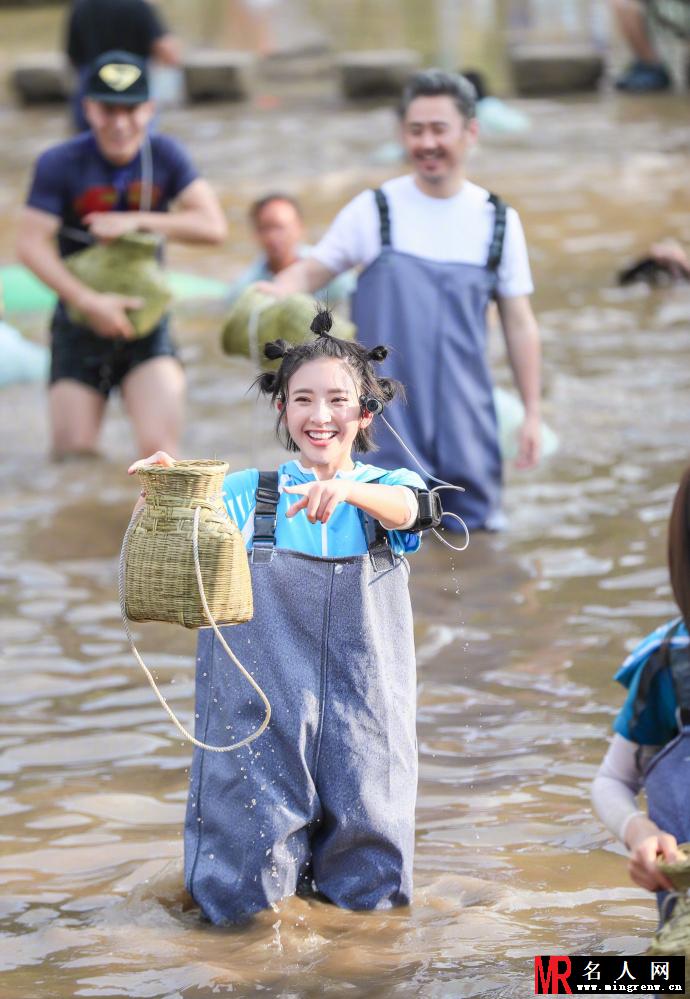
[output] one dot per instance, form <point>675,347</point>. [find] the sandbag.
<point>126,266</point>
<point>256,318</point>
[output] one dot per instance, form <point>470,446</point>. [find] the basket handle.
<point>197,568</point>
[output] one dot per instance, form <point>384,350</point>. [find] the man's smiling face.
<point>437,139</point>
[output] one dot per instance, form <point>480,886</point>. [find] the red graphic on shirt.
<point>105,199</point>
<point>95,199</point>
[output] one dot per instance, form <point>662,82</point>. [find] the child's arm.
<point>395,507</point>
<point>614,793</point>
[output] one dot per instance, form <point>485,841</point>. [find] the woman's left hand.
<point>319,498</point>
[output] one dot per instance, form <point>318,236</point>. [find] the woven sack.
<point>673,937</point>
<point>160,582</point>
<point>257,318</point>
<point>126,266</point>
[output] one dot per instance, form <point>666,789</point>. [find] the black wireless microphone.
<point>370,405</point>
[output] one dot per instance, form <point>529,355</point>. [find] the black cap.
<point>118,77</point>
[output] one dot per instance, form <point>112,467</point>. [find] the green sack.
<point>256,318</point>
<point>126,266</point>
<point>674,936</point>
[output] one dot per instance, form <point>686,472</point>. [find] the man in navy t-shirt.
<point>113,180</point>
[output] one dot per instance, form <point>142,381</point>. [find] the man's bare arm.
<point>37,250</point>
<point>306,275</point>
<point>524,354</point>
<point>196,217</point>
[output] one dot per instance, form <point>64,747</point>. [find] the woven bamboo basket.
<point>256,318</point>
<point>160,582</point>
<point>126,266</point>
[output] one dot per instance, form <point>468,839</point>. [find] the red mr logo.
<point>555,981</point>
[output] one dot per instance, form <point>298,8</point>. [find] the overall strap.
<point>680,674</point>
<point>660,659</point>
<point>498,235</point>
<point>384,217</point>
<point>267,497</point>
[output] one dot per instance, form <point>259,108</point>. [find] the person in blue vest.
<point>324,800</point>
<point>435,250</point>
<point>115,179</point>
<point>650,748</point>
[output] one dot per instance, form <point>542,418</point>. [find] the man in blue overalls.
<point>435,249</point>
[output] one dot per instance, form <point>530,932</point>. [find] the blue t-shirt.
<point>74,178</point>
<point>341,536</point>
<point>657,722</point>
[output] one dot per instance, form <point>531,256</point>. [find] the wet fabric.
<point>342,535</point>
<point>324,800</point>
<point>433,315</point>
<point>666,784</point>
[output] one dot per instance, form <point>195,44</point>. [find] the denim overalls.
<point>325,798</point>
<point>667,776</point>
<point>433,316</point>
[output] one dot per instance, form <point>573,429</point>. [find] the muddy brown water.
<point>517,638</point>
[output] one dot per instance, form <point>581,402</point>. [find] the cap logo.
<point>119,76</point>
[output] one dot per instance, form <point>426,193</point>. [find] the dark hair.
<point>679,546</point>
<point>258,206</point>
<point>438,83</point>
<point>358,357</point>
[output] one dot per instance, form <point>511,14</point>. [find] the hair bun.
<point>322,322</point>
<point>379,353</point>
<point>276,348</point>
<point>268,382</point>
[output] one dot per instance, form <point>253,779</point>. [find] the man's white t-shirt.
<point>454,230</point>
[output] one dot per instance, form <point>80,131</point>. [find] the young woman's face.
<point>323,413</point>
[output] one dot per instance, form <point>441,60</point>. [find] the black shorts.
<point>100,362</point>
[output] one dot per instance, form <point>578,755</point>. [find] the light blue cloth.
<point>657,722</point>
<point>338,290</point>
<point>343,535</point>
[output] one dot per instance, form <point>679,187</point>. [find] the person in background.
<point>278,226</point>
<point>98,26</point>
<point>102,184</point>
<point>647,73</point>
<point>650,748</point>
<point>436,249</point>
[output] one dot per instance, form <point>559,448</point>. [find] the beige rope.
<point>197,568</point>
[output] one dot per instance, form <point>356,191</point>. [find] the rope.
<point>443,485</point>
<point>197,568</point>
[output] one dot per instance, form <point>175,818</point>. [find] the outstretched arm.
<point>196,217</point>
<point>306,275</point>
<point>524,354</point>
<point>395,507</point>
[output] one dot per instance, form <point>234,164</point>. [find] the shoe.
<point>644,78</point>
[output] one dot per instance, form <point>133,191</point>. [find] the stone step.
<point>559,68</point>
<point>41,78</point>
<point>376,72</point>
<point>211,74</point>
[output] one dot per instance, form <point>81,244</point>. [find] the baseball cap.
<point>118,77</point>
